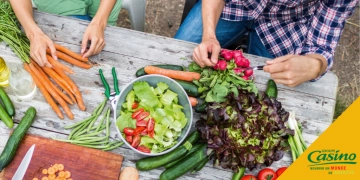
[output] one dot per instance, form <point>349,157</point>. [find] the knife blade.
<point>20,172</point>
<point>258,68</point>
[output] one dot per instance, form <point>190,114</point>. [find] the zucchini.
<point>149,163</point>
<point>184,166</point>
<point>239,174</point>
<point>141,71</point>
<point>193,149</point>
<point>193,137</point>
<point>200,108</point>
<point>5,117</point>
<point>200,165</point>
<point>271,89</point>
<point>15,138</point>
<point>190,88</point>
<point>7,102</point>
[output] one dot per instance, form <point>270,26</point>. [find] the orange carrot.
<point>71,53</point>
<point>43,90</point>
<point>54,62</point>
<point>193,101</point>
<point>180,75</point>
<point>58,91</point>
<point>75,88</point>
<point>53,93</point>
<point>73,61</point>
<point>60,167</point>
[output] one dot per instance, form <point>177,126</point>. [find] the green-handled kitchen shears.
<point>111,96</point>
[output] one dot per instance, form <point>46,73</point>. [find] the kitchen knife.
<point>20,172</point>
<point>258,68</point>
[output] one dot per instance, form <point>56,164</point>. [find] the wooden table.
<point>129,50</point>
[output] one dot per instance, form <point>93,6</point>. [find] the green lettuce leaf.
<point>125,120</point>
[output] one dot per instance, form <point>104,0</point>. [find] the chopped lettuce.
<point>162,103</point>
<point>125,120</point>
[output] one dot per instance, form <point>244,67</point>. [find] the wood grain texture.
<point>82,162</point>
<point>128,50</point>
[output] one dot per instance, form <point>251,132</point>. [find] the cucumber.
<point>15,138</point>
<point>190,88</point>
<point>193,149</point>
<point>200,108</point>
<point>5,117</point>
<point>149,163</point>
<point>141,71</point>
<point>193,137</point>
<point>7,102</point>
<point>200,165</point>
<point>239,174</point>
<point>184,166</point>
<point>271,89</point>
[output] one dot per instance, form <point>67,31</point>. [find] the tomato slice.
<point>129,131</point>
<point>139,129</point>
<point>141,123</point>
<point>137,112</point>
<point>129,139</point>
<point>136,140</point>
<point>143,149</point>
<point>248,177</point>
<point>151,133</point>
<point>135,105</point>
<point>267,174</point>
<point>151,124</point>
<point>144,132</point>
<point>280,171</point>
<point>142,116</point>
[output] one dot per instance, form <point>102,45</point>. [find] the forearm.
<point>24,13</point>
<point>103,12</point>
<point>211,11</point>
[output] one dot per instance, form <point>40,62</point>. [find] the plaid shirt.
<point>294,26</point>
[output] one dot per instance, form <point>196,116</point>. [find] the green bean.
<point>99,106</point>
<point>74,131</point>
<point>82,128</point>
<point>101,122</point>
<point>96,117</point>
<point>108,122</point>
<point>92,138</point>
<point>79,123</point>
<point>92,143</point>
<point>114,147</point>
<point>88,135</point>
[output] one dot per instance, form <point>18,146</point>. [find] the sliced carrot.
<point>74,87</point>
<point>72,60</point>
<point>44,171</point>
<point>52,176</point>
<point>180,75</point>
<point>70,53</point>
<point>35,179</point>
<point>53,93</point>
<point>51,170</point>
<point>69,179</point>
<point>61,167</point>
<point>58,91</point>
<point>61,174</point>
<point>44,178</point>
<point>44,91</point>
<point>193,101</point>
<point>54,62</point>
<point>67,174</point>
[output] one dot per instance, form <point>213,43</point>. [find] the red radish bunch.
<point>221,65</point>
<point>227,54</point>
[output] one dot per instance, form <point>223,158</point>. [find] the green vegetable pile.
<point>215,85</point>
<point>162,103</point>
<point>86,133</point>
<point>11,33</point>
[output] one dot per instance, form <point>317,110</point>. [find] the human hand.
<point>39,42</point>
<point>200,54</point>
<point>95,33</point>
<point>292,70</point>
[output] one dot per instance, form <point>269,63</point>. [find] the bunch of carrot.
<point>65,91</point>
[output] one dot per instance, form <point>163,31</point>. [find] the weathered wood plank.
<point>152,47</point>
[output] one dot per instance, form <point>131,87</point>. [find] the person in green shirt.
<point>99,12</point>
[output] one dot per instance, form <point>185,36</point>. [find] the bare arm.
<point>38,40</point>
<point>211,10</point>
<point>95,30</point>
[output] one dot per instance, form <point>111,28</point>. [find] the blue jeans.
<point>83,17</point>
<point>227,32</point>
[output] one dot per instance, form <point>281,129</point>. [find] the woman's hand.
<point>94,33</point>
<point>292,70</point>
<point>39,42</point>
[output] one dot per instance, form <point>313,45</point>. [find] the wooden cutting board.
<point>83,163</point>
